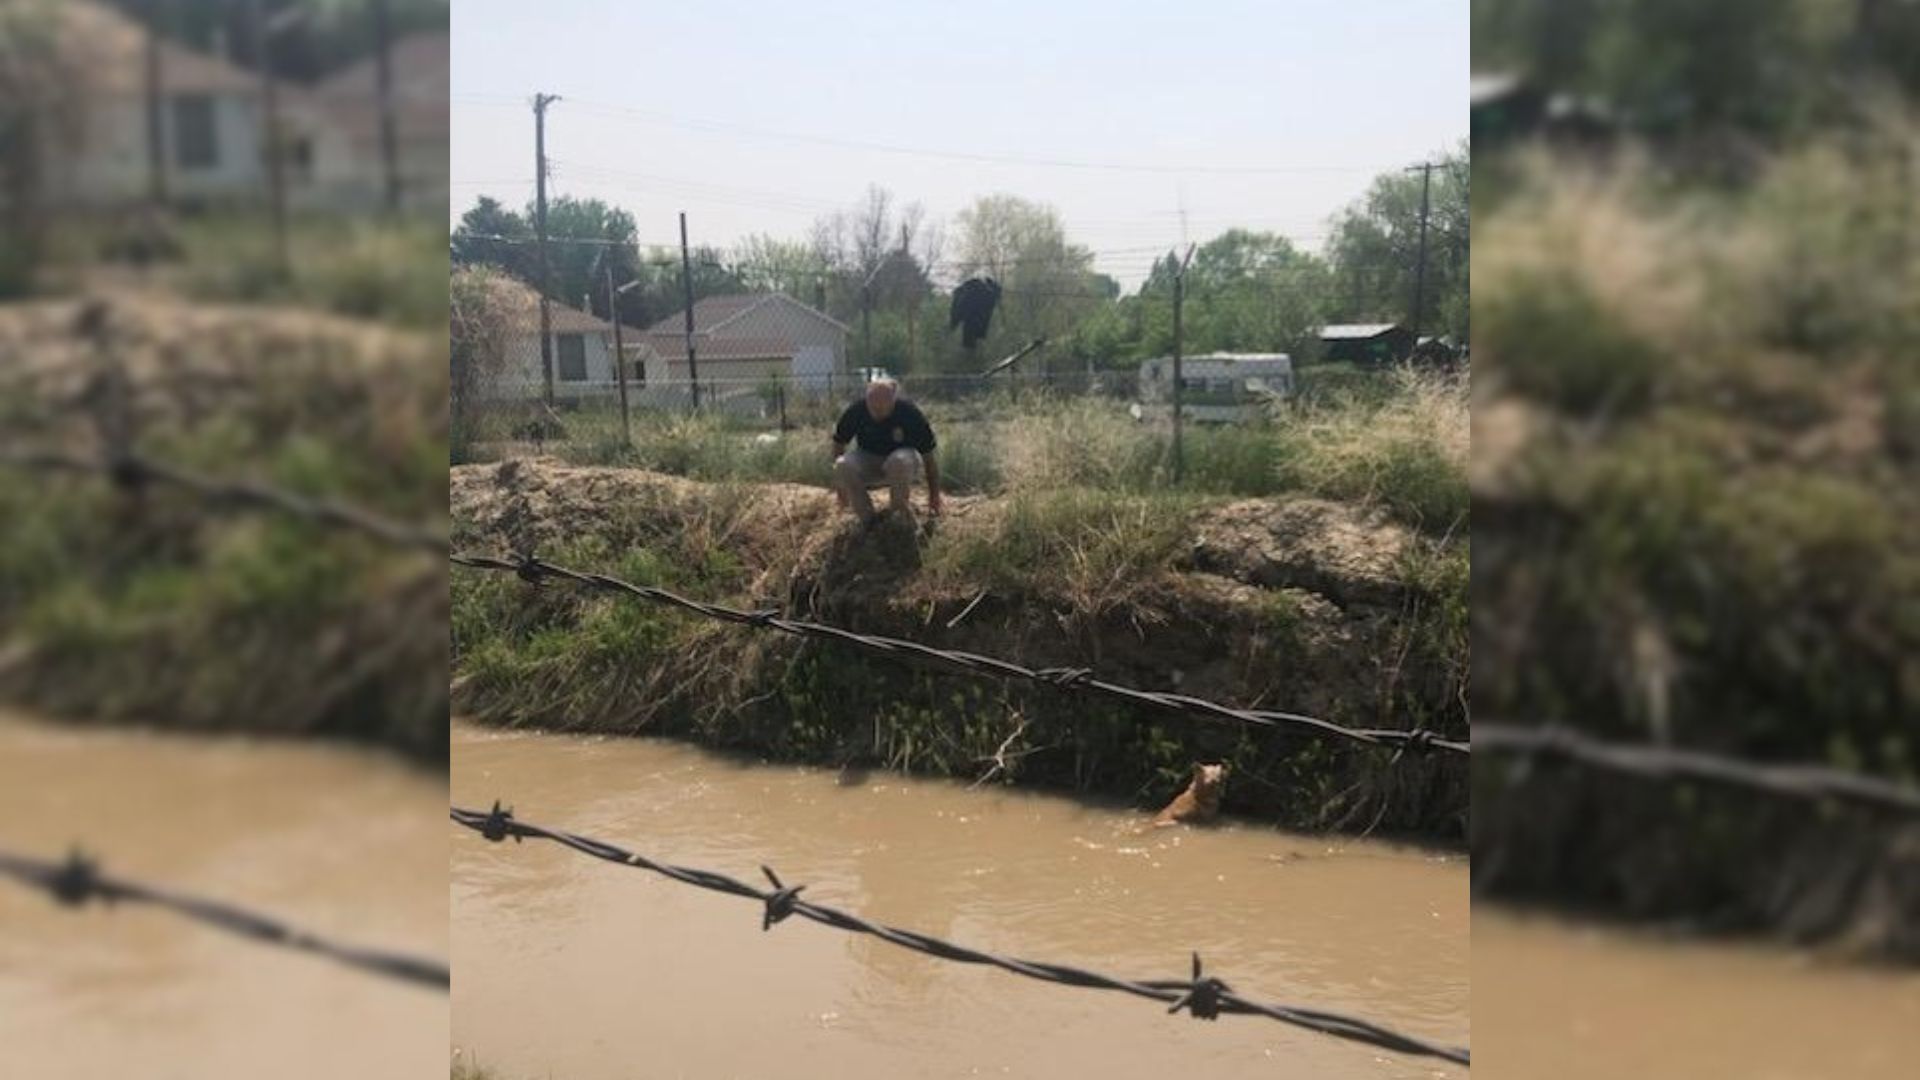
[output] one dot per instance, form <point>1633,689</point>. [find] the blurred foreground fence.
<point>77,879</point>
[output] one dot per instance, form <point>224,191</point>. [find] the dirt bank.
<point>1302,605</point>
<point>155,608</point>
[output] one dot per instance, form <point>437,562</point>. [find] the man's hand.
<point>933,501</point>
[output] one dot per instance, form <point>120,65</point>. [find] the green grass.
<point>1398,442</point>
<point>1704,531</point>
<point>389,271</point>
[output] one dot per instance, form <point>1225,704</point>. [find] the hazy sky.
<point>759,117</point>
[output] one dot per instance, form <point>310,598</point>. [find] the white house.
<point>1223,387</point>
<point>741,343</point>
<point>212,124</point>
<point>582,350</point>
<point>420,66</point>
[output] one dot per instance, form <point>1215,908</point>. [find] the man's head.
<point>881,394</point>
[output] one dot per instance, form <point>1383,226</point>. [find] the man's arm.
<point>843,431</point>
<point>932,463</point>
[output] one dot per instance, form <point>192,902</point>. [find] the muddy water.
<point>1575,1003</point>
<point>579,970</point>
<point>337,842</point>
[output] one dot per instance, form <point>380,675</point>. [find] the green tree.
<point>1375,251</point>
<point>1048,283</point>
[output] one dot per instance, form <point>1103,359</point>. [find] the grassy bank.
<point>1346,615</point>
<point>1698,480</point>
<point>155,608</point>
<point>1397,441</point>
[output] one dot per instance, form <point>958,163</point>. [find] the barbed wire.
<point>1204,997</point>
<point>77,879</point>
<point>533,570</point>
<point>1812,783</point>
<point>130,472</point>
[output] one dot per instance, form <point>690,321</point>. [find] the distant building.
<point>1507,108</point>
<point>582,350</point>
<point>1366,343</point>
<point>213,124</point>
<point>743,341</point>
<point>1221,387</point>
<point>351,97</point>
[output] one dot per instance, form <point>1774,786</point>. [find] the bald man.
<point>892,443</point>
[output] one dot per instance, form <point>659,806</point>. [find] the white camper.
<point>1220,387</point>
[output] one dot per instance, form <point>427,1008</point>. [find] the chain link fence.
<point>762,363</point>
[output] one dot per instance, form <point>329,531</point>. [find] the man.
<point>892,442</point>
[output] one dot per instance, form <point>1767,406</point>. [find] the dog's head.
<point>1209,780</point>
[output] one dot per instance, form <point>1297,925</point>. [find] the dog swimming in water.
<point>1200,801</point>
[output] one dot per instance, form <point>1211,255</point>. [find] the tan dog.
<point>1201,800</point>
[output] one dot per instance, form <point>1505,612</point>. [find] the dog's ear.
<point>1199,770</point>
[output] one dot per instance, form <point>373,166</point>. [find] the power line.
<point>721,127</point>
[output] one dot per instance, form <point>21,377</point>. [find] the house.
<point>212,125</point>
<point>582,351</point>
<point>1365,343</point>
<point>743,341</point>
<point>1221,387</point>
<point>1507,108</point>
<point>420,67</point>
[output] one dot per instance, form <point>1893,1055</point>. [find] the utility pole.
<point>269,99</point>
<point>156,124</point>
<point>1420,274</point>
<point>383,71</point>
<point>686,277</point>
<point>1179,301</point>
<point>913,299</point>
<point>540,103</point>
<point>619,354</point>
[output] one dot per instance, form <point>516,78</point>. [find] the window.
<point>573,357</point>
<point>1221,386</point>
<point>196,143</point>
<point>299,160</point>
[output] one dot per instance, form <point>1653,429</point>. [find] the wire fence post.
<point>1179,407</point>
<point>540,103</point>
<point>270,105</point>
<point>686,277</point>
<point>619,359</point>
<point>780,396</point>
<point>383,71</point>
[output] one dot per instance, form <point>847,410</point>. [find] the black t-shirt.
<point>905,426</point>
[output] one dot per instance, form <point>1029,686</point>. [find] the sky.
<point>1143,124</point>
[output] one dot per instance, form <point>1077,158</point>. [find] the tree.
<point>1375,250</point>
<point>491,235</point>
<point>1048,284</point>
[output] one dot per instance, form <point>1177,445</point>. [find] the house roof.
<point>113,48</point>
<point>420,62</point>
<point>1490,86</point>
<point>673,347</point>
<point>1356,331</point>
<point>561,317</point>
<point>421,65</point>
<point>713,313</point>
